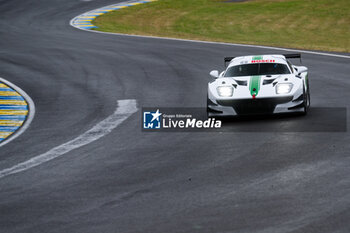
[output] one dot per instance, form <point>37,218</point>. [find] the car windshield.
<point>257,69</point>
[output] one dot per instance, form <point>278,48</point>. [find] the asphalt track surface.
<point>132,181</point>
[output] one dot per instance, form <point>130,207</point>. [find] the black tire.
<point>306,97</point>
<point>308,94</point>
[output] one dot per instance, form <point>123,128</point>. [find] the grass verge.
<point>305,24</point>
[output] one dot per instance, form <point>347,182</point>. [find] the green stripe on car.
<point>254,85</point>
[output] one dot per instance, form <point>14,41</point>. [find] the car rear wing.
<point>292,55</point>
<point>227,59</point>
<point>287,56</point>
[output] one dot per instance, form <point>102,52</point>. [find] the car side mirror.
<point>301,69</point>
<point>214,74</point>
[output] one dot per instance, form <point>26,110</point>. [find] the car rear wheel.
<point>306,96</point>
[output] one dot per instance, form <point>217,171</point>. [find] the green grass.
<point>305,24</point>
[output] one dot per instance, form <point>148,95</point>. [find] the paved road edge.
<point>102,10</point>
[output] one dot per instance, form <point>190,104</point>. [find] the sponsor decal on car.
<point>262,61</point>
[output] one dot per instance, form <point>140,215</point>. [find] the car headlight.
<point>225,91</point>
<point>284,88</point>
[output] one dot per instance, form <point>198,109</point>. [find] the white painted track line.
<point>124,110</point>
<point>30,115</point>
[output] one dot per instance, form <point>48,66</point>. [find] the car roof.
<point>271,58</point>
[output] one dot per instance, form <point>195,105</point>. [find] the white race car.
<point>264,84</point>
